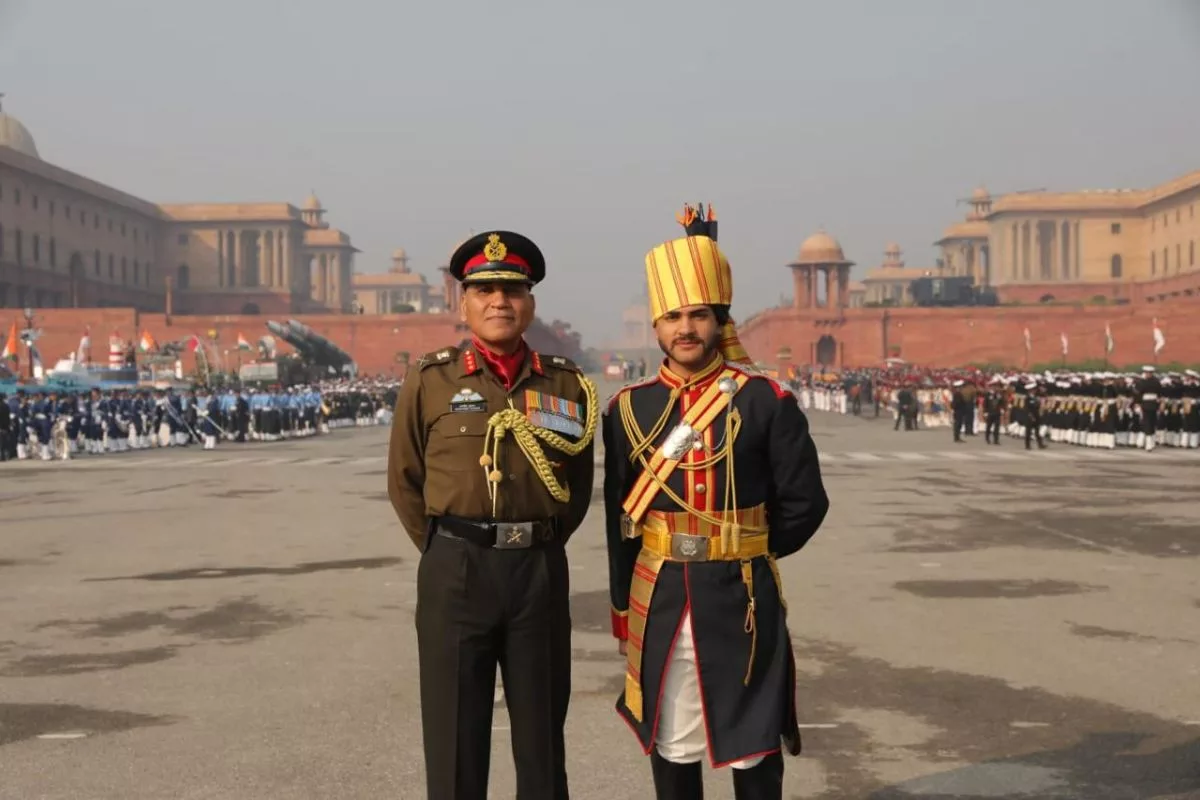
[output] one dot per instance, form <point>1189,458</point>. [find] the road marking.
<point>820,725</point>
<point>912,456</point>
<point>864,457</point>
<point>1022,724</point>
<point>62,736</point>
<point>1000,455</point>
<point>955,455</point>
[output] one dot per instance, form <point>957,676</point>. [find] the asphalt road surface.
<point>971,622</point>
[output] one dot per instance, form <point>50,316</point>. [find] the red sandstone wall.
<point>373,341</point>
<point>959,336</point>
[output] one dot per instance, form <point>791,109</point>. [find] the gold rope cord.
<point>527,434</point>
<point>733,425</point>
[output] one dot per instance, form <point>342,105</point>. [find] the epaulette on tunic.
<point>444,356</point>
<point>561,362</point>
<point>646,381</point>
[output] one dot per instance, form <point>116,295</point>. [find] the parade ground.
<point>972,621</point>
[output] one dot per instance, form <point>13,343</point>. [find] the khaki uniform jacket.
<point>439,431</point>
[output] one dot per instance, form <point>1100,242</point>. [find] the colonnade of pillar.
<point>1040,250</point>
<point>837,285</point>
<point>255,258</point>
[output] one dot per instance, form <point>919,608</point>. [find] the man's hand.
<point>623,647</point>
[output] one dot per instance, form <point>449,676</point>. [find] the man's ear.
<point>462,305</point>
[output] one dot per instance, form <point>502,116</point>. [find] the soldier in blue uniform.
<point>710,476</point>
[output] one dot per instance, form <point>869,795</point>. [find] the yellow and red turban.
<point>692,271</point>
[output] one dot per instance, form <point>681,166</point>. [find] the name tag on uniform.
<point>554,413</point>
<point>467,400</point>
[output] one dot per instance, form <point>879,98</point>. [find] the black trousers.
<point>991,431</point>
<point>479,608</point>
<point>1033,429</point>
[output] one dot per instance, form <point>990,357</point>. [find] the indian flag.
<point>10,347</point>
<point>147,343</point>
<point>242,344</point>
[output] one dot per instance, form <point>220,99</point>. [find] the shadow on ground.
<point>907,732</point>
<point>208,573</point>
<point>21,721</point>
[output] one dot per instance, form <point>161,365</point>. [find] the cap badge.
<point>494,250</point>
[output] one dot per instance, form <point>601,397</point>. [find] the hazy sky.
<point>587,125</point>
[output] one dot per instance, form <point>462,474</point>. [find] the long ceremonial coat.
<point>776,464</point>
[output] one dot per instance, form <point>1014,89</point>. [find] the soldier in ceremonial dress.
<point>490,471</point>
<point>710,476</point>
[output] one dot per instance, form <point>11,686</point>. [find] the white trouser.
<point>681,736</point>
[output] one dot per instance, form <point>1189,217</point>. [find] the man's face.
<point>689,336</point>
<point>497,313</point>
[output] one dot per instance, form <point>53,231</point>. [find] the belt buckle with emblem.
<point>689,547</point>
<point>514,535</point>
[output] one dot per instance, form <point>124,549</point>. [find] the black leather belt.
<point>500,535</point>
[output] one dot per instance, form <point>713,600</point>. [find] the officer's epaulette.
<point>444,356</point>
<point>752,371</point>
<point>646,381</point>
<point>559,362</point>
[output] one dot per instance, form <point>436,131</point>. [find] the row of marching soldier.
<point>710,477</point>
<point>44,424</point>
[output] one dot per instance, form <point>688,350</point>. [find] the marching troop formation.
<point>1106,410</point>
<point>47,424</point>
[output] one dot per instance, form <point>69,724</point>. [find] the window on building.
<point>1166,219</point>
<point>183,238</point>
<point>1,242</point>
<point>1166,261</point>
<point>53,253</point>
<point>20,247</point>
<point>1116,227</point>
<point>96,221</point>
<point>1192,253</point>
<point>35,202</point>
<point>16,197</point>
<point>52,208</point>
<point>37,248</point>
<point>1115,265</point>
<point>1177,211</point>
<point>137,272</point>
<point>67,212</point>
<point>183,277</point>
<point>110,227</point>
<point>122,228</point>
<point>112,267</point>
<point>1178,257</point>
<point>124,266</point>
<point>96,263</point>
<point>1153,263</point>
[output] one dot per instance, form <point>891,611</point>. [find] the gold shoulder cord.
<point>527,434</point>
<point>640,443</point>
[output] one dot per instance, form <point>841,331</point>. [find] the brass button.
<point>701,488</point>
<point>512,476</point>
<point>463,429</point>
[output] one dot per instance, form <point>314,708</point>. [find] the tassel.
<point>495,475</point>
<point>735,536</point>
<point>485,461</point>
<point>726,536</point>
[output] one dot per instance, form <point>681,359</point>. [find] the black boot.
<point>676,781</point>
<point>763,782</point>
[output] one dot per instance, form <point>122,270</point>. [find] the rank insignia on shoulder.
<point>467,400</point>
<point>554,413</point>
<point>439,357</point>
<point>561,362</point>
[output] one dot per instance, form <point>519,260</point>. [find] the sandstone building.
<point>67,241</point>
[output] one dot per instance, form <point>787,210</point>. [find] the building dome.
<point>312,203</point>
<point>16,136</point>
<point>399,254</point>
<point>980,193</point>
<point>821,248</point>
<point>892,249</point>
